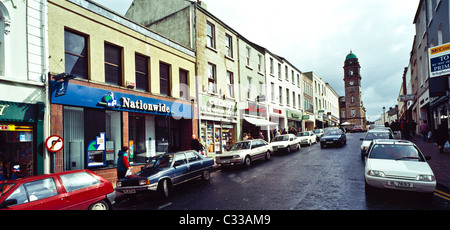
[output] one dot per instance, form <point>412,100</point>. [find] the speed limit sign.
<point>54,143</point>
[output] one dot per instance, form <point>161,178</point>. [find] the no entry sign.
<point>54,143</point>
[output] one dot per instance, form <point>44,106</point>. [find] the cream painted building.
<point>128,87</point>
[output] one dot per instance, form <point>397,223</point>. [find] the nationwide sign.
<point>439,60</point>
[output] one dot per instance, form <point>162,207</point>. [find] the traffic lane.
<point>309,179</point>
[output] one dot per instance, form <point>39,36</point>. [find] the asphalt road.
<point>309,179</point>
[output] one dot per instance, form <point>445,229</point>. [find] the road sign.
<point>54,143</point>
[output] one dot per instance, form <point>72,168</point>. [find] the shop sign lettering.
<point>218,106</point>
<point>138,104</point>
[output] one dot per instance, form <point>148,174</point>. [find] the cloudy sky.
<point>317,36</point>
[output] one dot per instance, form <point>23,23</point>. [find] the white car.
<point>307,138</point>
<point>398,164</point>
<point>371,135</point>
<point>286,142</point>
<point>245,152</point>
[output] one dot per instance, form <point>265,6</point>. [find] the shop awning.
<point>259,122</point>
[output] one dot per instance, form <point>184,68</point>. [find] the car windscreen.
<point>395,152</point>
<point>5,187</point>
<point>378,135</point>
<point>280,138</point>
<point>333,132</point>
<point>240,145</point>
<point>160,161</point>
<point>303,134</point>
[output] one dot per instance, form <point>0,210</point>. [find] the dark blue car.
<point>333,137</point>
<point>164,171</point>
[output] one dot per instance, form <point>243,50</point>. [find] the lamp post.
<point>384,115</point>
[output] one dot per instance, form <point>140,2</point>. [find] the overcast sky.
<point>318,35</point>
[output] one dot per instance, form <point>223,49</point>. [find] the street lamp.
<point>384,116</point>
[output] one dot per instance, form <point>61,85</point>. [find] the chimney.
<point>202,4</point>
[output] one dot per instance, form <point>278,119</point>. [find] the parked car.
<point>357,129</point>
<point>307,138</point>
<point>78,189</point>
<point>333,137</point>
<point>319,133</point>
<point>245,152</point>
<point>371,135</point>
<point>162,172</point>
<point>285,142</point>
<point>398,164</point>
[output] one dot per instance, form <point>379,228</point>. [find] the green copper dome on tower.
<point>351,55</point>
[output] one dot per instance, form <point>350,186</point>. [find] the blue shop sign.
<point>84,96</point>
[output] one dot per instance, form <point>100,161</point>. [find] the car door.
<point>258,149</point>
<point>82,190</point>
<point>195,164</point>
<point>40,194</point>
<point>181,168</point>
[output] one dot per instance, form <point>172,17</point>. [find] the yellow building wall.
<point>101,30</point>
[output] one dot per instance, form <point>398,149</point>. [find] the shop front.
<point>21,138</point>
<point>308,122</point>
<point>218,123</point>
<point>294,120</point>
<point>95,122</point>
<point>255,121</point>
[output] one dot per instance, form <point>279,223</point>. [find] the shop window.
<point>83,125</point>
<point>16,149</point>
<point>75,54</point>
<point>141,66</point>
<point>113,64</point>
<point>164,79</point>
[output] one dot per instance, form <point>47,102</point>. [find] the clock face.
<point>351,82</point>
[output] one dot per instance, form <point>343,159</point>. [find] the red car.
<point>78,189</point>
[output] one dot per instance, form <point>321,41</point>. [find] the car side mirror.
<point>427,158</point>
<point>8,203</point>
<point>361,139</point>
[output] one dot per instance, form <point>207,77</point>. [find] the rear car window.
<point>79,180</point>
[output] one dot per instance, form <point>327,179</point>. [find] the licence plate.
<point>226,161</point>
<point>129,191</point>
<point>329,142</point>
<point>400,184</point>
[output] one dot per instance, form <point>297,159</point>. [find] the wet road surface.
<point>309,179</point>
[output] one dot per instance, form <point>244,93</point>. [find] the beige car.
<point>245,152</point>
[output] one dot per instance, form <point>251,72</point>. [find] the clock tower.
<point>354,112</point>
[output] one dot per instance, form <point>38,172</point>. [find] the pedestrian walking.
<point>261,136</point>
<point>441,136</point>
<point>122,163</point>
<point>423,129</point>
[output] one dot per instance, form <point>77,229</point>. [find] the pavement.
<point>439,163</point>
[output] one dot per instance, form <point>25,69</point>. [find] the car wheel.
<point>100,205</point>
<point>164,188</point>
<point>206,175</point>
<point>298,146</point>
<point>268,155</point>
<point>247,161</point>
<point>310,143</point>
<point>288,149</point>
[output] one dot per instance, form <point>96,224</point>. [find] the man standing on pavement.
<point>195,144</point>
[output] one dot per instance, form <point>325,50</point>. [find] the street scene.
<point>224,105</point>
<point>308,179</point>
